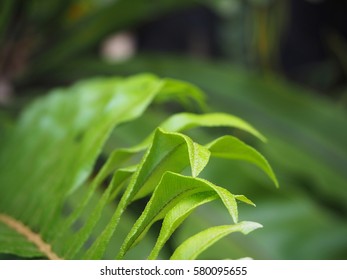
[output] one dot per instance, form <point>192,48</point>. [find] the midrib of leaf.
<point>31,236</point>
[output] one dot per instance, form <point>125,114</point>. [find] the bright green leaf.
<point>195,245</point>
<point>177,215</point>
<point>171,189</point>
<point>232,148</point>
<point>184,121</point>
<point>169,151</point>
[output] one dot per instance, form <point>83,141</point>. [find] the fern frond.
<point>50,153</point>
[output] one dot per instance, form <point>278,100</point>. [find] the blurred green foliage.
<point>307,218</point>
<point>51,151</point>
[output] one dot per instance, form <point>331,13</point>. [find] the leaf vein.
<point>31,236</point>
